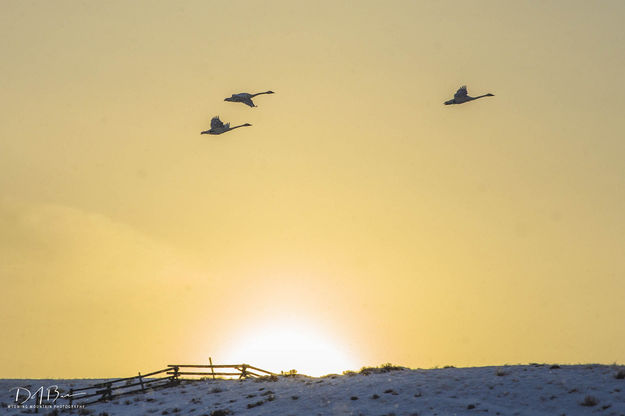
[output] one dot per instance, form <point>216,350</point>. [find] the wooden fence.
<point>120,387</point>
<point>143,382</point>
<point>241,370</point>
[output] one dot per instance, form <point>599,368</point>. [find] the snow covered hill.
<point>508,390</point>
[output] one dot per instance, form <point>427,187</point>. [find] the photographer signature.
<point>51,394</point>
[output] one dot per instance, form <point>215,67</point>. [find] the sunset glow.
<point>278,348</point>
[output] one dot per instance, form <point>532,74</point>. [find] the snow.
<point>504,390</point>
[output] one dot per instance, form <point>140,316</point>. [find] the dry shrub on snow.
<point>221,412</point>
<point>590,401</point>
<point>384,368</point>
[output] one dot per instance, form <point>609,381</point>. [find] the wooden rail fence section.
<point>143,382</point>
<point>120,387</point>
<point>242,370</point>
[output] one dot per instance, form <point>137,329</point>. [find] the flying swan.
<point>461,96</point>
<point>245,98</point>
<point>217,127</point>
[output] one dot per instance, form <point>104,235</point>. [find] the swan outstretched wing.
<point>216,123</point>
<point>242,97</point>
<point>461,93</point>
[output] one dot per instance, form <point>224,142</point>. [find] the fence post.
<point>174,379</point>
<point>141,381</point>
<point>108,393</point>
<point>210,360</point>
<point>243,371</point>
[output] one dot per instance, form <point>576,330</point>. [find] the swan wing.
<point>248,101</point>
<point>243,97</point>
<point>461,93</point>
<point>216,123</point>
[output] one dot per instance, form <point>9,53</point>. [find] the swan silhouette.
<point>461,96</point>
<point>245,98</point>
<point>217,127</point>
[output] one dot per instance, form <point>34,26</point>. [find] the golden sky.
<point>358,214</point>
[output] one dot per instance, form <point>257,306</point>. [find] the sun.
<point>289,346</point>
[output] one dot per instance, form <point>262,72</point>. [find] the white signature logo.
<point>50,394</point>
